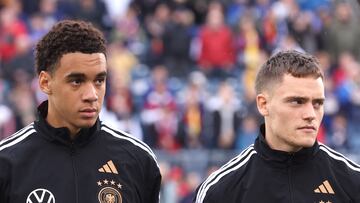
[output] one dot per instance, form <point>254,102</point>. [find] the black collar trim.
<point>282,158</point>
<point>62,134</point>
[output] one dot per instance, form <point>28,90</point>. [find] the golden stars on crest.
<point>106,182</point>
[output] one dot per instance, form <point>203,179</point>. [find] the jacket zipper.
<point>289,177</point>
<point>75,172</point>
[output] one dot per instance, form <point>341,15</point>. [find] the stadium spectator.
<point>344,34</point>
<point>226,117</point>
<point>217,53</point>
<point>159,113</point>
<point>12,27</point>
<point>177,40</point>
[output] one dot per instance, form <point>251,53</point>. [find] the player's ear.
<point>45,82</point>
<point>262,104</point>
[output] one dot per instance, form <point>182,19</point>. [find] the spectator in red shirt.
<point>217,54</point>
<point>11,28</point>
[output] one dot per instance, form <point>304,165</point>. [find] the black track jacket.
<point>260,174</point>
<point>41,164</point>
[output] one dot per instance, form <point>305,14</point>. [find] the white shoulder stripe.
<point>337,156</point>
<point>17,134</point>
<point>18,139</point>
<point>204,191</point>
<point>246,150</point>
<point>224,167</point>
<point>131,139</point>
<point>123,133</point>
<point>232,165</point>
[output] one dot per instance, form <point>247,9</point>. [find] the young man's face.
<point>76,90</point>
<point>293,111</point>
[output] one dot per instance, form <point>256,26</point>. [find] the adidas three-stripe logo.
<point>109,167</point>
<point>325,188</point>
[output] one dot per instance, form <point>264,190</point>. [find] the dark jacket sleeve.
<point>347,175</point>
<point>4,182</point>
<point>354,183</point>
<point>153,178</point>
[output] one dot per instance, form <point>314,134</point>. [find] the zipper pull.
<point>290,159</point>
<point>72,148</point>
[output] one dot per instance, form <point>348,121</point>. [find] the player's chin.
<point>308,142</point>
<point>87,123</point>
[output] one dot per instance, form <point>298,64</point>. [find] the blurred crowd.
<point>181,72</point>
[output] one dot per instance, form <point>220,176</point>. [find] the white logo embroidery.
<point>40,196</point>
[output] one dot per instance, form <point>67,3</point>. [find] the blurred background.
<point>181,72</point>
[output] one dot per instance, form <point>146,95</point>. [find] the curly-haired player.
<point>68,154</point>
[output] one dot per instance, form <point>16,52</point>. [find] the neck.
<point>54,119</point>
<point>274,143</point>
<point>72,130</point>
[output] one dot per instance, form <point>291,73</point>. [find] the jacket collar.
<point>62,134</point>
<point>281,158</point>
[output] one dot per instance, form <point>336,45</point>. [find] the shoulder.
<point>131,142</point>
<point>17,138</point>
<point>345,171</point>
<point>218,180</point>
<point>339,160</point>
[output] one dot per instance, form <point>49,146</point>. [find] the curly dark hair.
<point>67,36</point>
<point>291,62</point>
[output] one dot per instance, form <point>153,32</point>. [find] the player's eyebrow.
<point>291,98</point>
<point>76,75</point>
<point>101,74</point>
<point>304,99</point>
<point>319,100</point>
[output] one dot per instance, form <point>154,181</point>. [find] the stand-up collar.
<point>281,158</point>
<point>63,134</point>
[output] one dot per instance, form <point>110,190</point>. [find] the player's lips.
<point>88,112</point>
<point>307,128</point>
